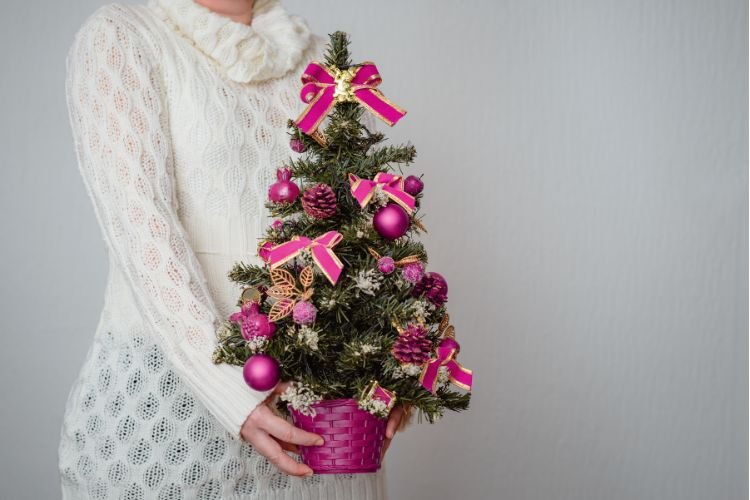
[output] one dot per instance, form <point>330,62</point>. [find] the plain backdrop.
<point>586,168</point>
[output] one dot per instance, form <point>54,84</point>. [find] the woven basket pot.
<point>353,437</point>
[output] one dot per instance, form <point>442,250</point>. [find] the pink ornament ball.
<point>413,272</point>
<point>304,313</point>
<point>413,185</point>
<point>391,221</point>
<point>283,190</point>
<point>386,265</point>
<point>261,372</point>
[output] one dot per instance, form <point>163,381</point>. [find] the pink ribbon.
<point>321,90</point>
<point>321,249</point>
<point>446,353</point>
<point>392,185</point>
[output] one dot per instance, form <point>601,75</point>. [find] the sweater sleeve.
<point>119,121</point>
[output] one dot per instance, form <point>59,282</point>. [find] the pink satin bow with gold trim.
<point>392,185</point>
<point>325,86</point>
<point>321,249</point>
<point>446,353</point>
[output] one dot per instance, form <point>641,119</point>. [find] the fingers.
<point>288,446</point>
<point>394,423</point>
<point>394,420</point>
<point>284,431</point>
<point>280,387</point>
<point>405,418</point>
<point>275,393</point>
<point>271,449</point>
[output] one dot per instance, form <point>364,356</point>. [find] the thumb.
<point>277,390</point>
<point>280,387</point>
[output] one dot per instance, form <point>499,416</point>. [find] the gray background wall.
<point>590,156</point>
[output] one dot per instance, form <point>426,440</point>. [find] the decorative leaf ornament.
<point>401,262</point>
<point>287,293</point>
<point>445,329</point>
<point>306,277</point>
<point>417,222</point>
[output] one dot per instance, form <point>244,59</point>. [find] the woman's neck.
<point>240,11</point>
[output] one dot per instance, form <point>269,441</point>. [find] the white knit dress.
<point>179,123</point>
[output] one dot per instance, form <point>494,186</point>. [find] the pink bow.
<point>446,353</point>
<point>392,185</point>
<point>321,249</point>
<point>325,86</point>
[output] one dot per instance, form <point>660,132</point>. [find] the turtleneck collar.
<point>272,44</point>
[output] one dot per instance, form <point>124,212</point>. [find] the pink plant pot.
<point>353,437</point>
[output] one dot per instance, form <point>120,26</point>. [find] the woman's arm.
<point>120,129</point>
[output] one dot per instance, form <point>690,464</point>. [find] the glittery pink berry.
<point>304,313</point>
<point>413,272</point>
<point>386,265</point>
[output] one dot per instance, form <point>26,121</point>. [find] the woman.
<point>178,110</point>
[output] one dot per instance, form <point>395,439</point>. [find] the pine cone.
<point>412,346</point>
<point>319,201</point>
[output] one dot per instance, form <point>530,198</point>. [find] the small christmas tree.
<point>343,306</point>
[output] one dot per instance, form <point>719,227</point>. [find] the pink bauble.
<point>391,221</point>
<point>413,185</point>
<point>283,190</point>
<point>386,265</point>
<point>261,372</point>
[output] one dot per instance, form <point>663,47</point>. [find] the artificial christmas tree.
<point>343,306</point>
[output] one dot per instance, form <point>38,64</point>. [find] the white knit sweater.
<point>179,122</point>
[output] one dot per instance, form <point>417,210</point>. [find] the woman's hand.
<point>397,420</point>
<point>270,435</point>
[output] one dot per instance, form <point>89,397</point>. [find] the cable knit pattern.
<point>179,122</point>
